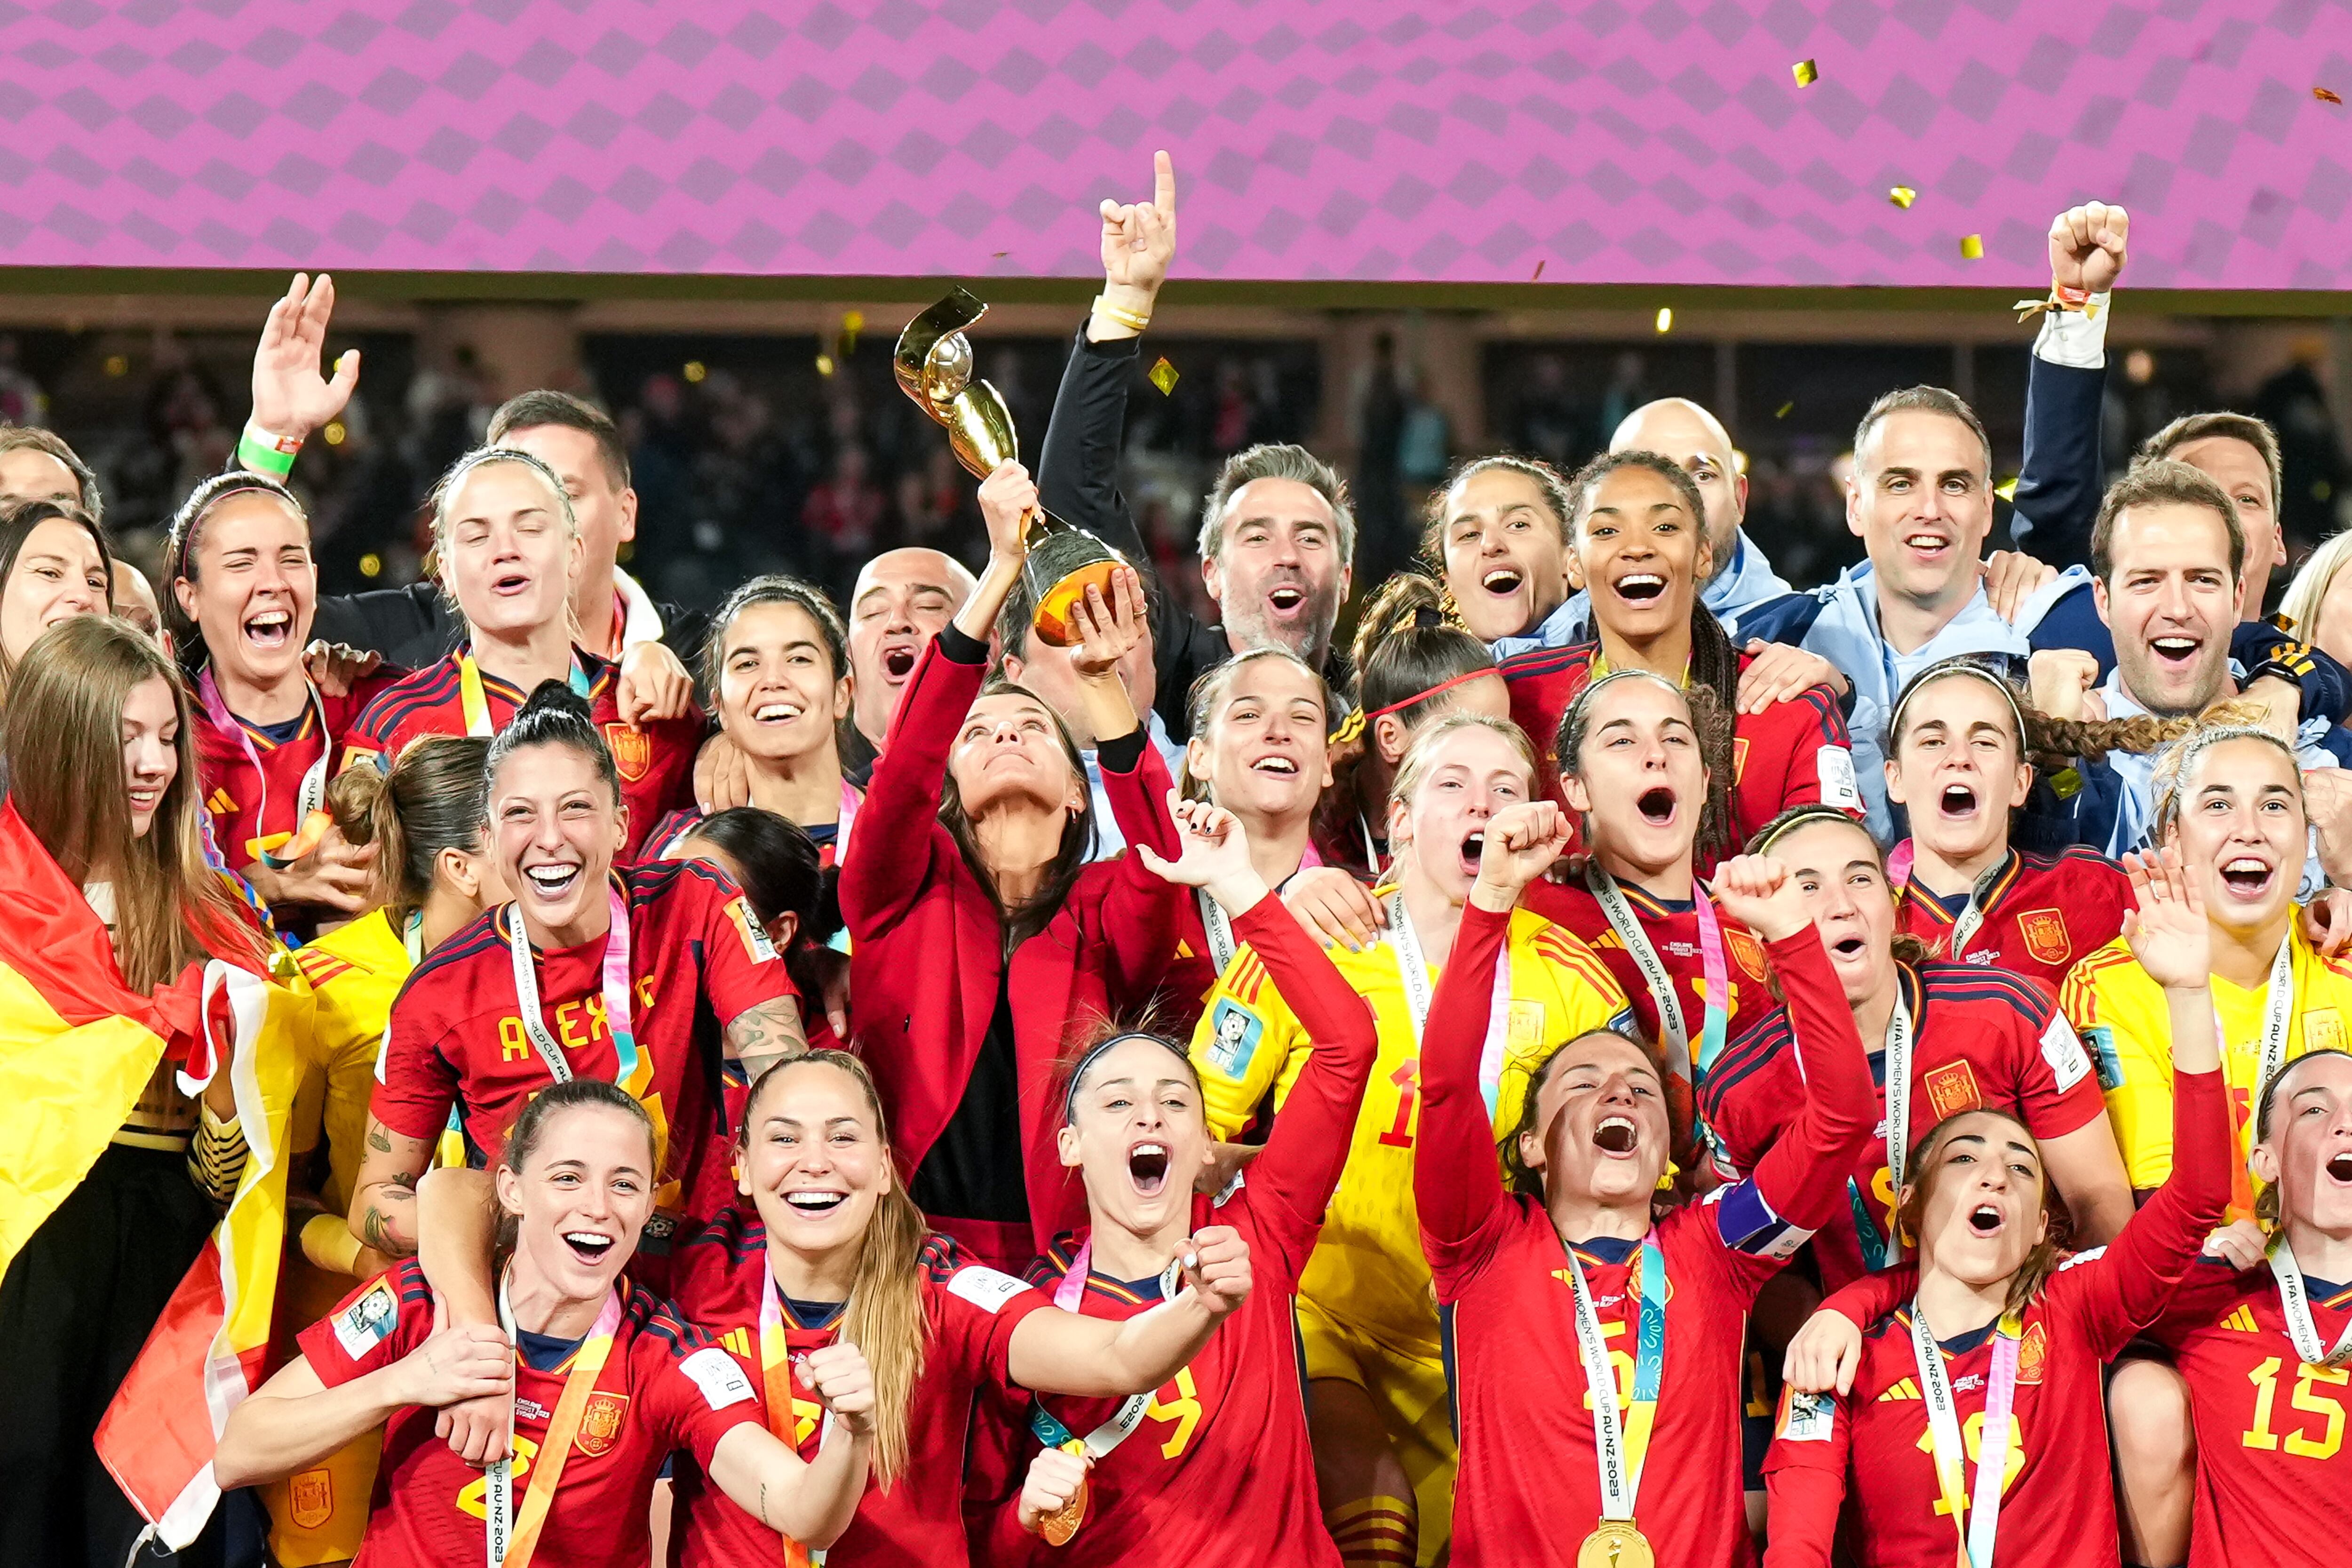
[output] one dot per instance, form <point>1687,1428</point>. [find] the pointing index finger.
<point>1163,182</point>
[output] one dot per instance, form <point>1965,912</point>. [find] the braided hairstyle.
<point>1714,662</point>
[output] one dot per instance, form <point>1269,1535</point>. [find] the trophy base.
<point>1057,605</point>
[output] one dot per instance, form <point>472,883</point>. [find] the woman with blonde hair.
<point>2318,610</point>
<point>101,847</point>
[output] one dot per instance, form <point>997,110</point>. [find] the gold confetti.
<point>1806,73</point>
<point>1972,247</point>
<point>335,433</point>
<point>1902,197</point>
<point>1163,376</point>
<point>1666,318</point>
<point>1000,255</point>
<point>1782,412</point>
<point>1538,277</point>
<point>2324,95</point>
<point>852,321</point>
<point>696,370</point>
<point>2007,489</point>
<point>825,364</point>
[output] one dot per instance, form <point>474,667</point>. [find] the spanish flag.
<point>77,1047</point>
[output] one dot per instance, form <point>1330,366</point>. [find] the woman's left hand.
<point>1758,891</point>
<point>654,685</point>
<point>1108,631</point>
<point>2327,922</point>
<point>842,1380</point>
<point>335,667</point>
<point>2167,933</point>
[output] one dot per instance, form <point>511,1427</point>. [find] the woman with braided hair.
<point>1957,751</point>
<point>1638,546</point>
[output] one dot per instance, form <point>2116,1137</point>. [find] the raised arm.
<point>2059,487</point>
<point>384,1194</point>
<point>1054,1352</point>
<point>1801,1178</point>
<point>1457,1180</point>
<point>2169,936</point>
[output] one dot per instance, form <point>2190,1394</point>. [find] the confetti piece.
<point>1972,247</point>
<point>1665,319</point>
<point>1806,73</point>
<point>999,256</point>
<point>852,321</point>
<point>825,364</point>
<point>2007,489</point>
<point>1902,197</point>
<point>1782,412</point>
<point>1538,277</point>
<point>1163,376</point>
<point>2324,95</point>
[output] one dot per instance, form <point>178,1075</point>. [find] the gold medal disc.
<point>1616,1545</point>
<point>1058,1526</point>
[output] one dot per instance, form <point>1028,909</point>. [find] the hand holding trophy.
<point>934,366</point>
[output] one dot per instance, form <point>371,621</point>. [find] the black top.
<point>414,625</point>
<point>1077,481</point>
<point>975,1170</point>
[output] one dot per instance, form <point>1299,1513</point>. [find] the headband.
<point>1441,687</point>
<point>1095,1053</point>
<point>1804,817</point>
<point>1962,665</point>
<point>183,542</point>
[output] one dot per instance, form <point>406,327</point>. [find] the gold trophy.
<point>933,362</point>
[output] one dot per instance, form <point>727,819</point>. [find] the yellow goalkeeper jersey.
<point>2120,1013</point>
<point>1368,1267</point>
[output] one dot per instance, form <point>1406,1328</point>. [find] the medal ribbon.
<point>1620,1440</point>
<point>312,795</point>
<point>1414,970</point>
<point>477,704</point>
<point>512,1540</point>
<point>776,1384</point>
<point>2295,1304</point>
<point>1878,1248</point>
<point>1069,1295</point>
<point>2278,1016</point>
<point>1654,975</point>
<point>1972,918</point>
<point>630,1070</point>
<point>1983,1514</point>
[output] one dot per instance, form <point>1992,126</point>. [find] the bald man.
<point>901,599</point>
<point>1678,428</point>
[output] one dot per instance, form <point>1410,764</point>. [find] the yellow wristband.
<point>1125,317</point>
<point>329,1244</point>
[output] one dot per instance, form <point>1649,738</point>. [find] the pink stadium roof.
<point>1464,140</point>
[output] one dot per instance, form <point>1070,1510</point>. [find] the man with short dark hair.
<point>1277,534</point>
<point>38,465</point>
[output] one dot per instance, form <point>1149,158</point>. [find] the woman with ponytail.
<point>1638,545</point>
<point>1972,1418</point>
<point>602,1381</point>
<point>1943,1037</point>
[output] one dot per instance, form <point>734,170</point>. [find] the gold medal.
<point>1616,1545</point>
<point>1058,1526</point>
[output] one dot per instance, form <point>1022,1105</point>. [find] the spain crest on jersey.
<point>1952,1088</point>
<point>313,1495</point>
<point>632,752</point>
<point>2033,1354</point>
<point>600,1423</point>
<point>1745,950</point>
<point>2044,931</point>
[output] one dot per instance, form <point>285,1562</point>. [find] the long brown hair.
<point>18,520</point>
<point>2041,1263</point>
<point>1026,918</point>
<point>1709,722</point>
<point>883,1316</point>
<point>65,780</point>
<point>1520,1177</point>
<point>436,798</point>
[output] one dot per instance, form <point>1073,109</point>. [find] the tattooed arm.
<point>761,1037</point>
<point>384,1199</point>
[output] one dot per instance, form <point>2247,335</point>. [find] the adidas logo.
<point>737,1341</point>
<point>220,802</point>
<point>1907,1389</point>
<point>2241,1319</point>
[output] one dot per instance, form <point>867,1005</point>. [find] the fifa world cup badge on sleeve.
<point>368,1321</point>
<point>1234,1036</point>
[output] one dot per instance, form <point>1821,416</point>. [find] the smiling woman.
<point>54,565</point>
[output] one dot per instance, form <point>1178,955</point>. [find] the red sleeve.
<point>2057,1091</point>
<point>1810,722</point>
<point>1873,1296</point>
<point>701,1392</point>
<point>416,1083</point>
<point>2127,1287</point>
<point>890,856</point>
<point>979,1309</point>
<point>1805,1478</point>
<point>741,970</point>
<point>1142,914</point>
<point>1802,1177</point>
<point>1456,1181</point>
<point>1308,1146</point>
<point>372,1327</point>
<point>369,735</point>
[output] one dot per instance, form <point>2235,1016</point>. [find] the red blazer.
<point>927,949</point>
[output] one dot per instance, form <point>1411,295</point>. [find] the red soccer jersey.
<point>664,1387</point>
<point>1528,1490</point>
<point>1673,930</point>
<point>2042,914</point>
<point>969,1313</point>
<point>697,962</point>
<point>2273,1474</point>
<point>1793,753</point>
<point>1219,1470</point>
<point>1871,1449</point>
<point>1979,1037</point>
<point>655,763</point>
<point>257,811</point>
